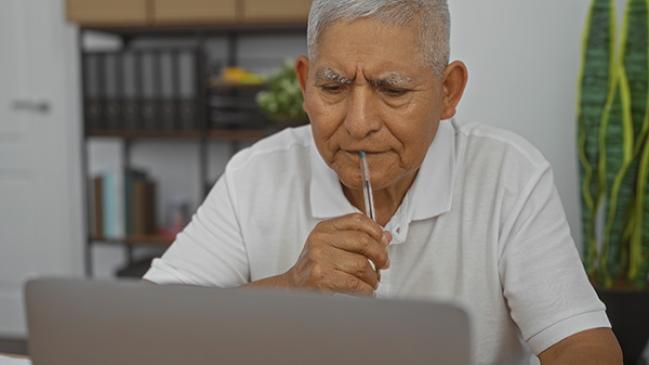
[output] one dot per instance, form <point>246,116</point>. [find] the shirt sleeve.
<point>210,251</point>
<point>544,282</point>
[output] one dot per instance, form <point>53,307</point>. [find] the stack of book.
<point>123,205</point>
<point>142,90</point>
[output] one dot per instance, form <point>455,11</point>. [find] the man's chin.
<point>350,175</point>
<point>350,181</point>
<point>354,181</point>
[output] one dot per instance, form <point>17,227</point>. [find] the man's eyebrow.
<point>328,74</point>
<point>392,79</point>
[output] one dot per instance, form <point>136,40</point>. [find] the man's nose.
<point>361,119</point>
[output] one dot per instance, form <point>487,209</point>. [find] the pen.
<point>368,195</point>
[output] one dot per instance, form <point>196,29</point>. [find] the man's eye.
<point>332,89</point>
<point>394,92</point>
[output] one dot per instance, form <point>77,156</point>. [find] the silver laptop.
<point>76,322</point>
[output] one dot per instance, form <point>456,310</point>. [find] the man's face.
<point>369,89</point>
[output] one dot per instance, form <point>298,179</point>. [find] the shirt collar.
<point>429,196</point>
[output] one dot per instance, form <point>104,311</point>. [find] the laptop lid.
<point>78,322</point>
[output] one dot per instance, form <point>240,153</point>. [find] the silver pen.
<point>368,196</point>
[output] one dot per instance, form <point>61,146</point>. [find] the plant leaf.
<point>595,80</point>
<point>636,65</point>
<point>639,247</point>
<point>616,156</point>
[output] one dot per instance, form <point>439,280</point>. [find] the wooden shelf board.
<point>136,240</point>
<point>237,134</point>
<point>128,134</point>
<point>219,85</point>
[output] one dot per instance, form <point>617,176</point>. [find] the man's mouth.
<point>367,151</point>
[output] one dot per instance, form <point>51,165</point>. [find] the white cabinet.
<point>276,11</point>
<point>194,12</point>
<point>109,13</point>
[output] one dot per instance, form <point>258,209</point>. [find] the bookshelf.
<point>119,106</point>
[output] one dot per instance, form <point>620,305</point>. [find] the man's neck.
<point>386,201</point>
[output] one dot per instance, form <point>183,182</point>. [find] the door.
<point>40,201</point>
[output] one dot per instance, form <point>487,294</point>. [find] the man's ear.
<point>302,71</point>
<point>454,82</point>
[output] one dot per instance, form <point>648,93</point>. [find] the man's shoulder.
<point>275,169</point>
<point>488,142</point>
<point>277,150</point>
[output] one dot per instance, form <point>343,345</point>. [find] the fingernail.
<point>387,237</point>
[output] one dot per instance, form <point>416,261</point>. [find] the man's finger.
<point>360,243</point>
<point>342,282</point>
<point>357,222</point>
<point>354,264</point>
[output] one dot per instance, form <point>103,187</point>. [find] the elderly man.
<point>467,212</point>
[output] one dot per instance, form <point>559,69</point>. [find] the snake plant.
<point>613,124</point>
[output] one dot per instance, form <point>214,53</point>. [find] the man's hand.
<point>336,253</point>
<point>335,258</point>
<point>594,347</point>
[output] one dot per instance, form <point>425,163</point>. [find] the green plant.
<point>282,100</point>
<point>613,124</point>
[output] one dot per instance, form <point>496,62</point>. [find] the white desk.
<point>10,359</point>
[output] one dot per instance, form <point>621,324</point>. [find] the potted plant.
<point>613,125</point>
<point>282,100</point>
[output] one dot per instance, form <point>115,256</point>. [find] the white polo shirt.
<point>481,225</point>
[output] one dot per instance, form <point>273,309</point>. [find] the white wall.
<point>523,59</point>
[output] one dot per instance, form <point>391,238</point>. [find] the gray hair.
<point>433,15</point>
